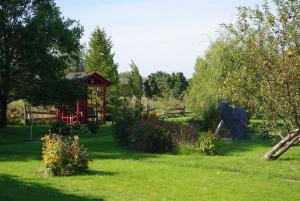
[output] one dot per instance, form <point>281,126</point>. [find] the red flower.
<point>157,127</point>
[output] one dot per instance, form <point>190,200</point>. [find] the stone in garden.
<point>235,120</point>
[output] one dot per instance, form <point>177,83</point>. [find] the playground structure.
<point>91,107</point>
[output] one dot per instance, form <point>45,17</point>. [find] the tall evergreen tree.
<point>136,81</point>
<point>100,58</point>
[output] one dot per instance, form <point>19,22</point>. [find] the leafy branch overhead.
<point>36,46</point>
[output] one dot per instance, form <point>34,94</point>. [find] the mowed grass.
<point>118,174</point>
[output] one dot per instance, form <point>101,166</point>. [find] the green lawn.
<point>117,174</point>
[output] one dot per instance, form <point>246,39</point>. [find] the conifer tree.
<point>100,58</point>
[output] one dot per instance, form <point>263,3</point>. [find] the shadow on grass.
<point>12,189</point>
<point>20,152</point>
<point>19,134</point>
<point>98,173</point>
<point>100,146</point>
<point>230,148</point>
<point>104,146</point>
<point>108,149</point>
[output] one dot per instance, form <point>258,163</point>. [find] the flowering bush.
<point>209,143</point>
<point>64,156</point>
<point>124,117</point>
<point>148,136</point>
<point>145,132</point>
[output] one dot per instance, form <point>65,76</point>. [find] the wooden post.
<point>77,111</point>
<point>85,105</point>
<point>104,105</point>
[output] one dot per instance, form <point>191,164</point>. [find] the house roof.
<point>93,79</point>
<point>75,75</point>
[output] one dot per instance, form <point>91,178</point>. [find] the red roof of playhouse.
<point>97,80</point>
<point>93,79</point>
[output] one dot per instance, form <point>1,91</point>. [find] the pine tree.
<point>100,58</point>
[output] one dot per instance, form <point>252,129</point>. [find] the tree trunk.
<point>3,109</point>
<point>284,149</point>
<point>282,146</point>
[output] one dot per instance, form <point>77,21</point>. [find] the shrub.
<point>182,134</point>
<point>211,118</point>
<point>145,132</point>
<point>93,126</point>
<point>15,112</point>
<point>64,156</point>
<point>148,136</point>
<point>209,143</point>
<point>159,136</point>
<point>61,128</point>
<point>197,123</point>
<point>123,119</point>
<point>79,129</point>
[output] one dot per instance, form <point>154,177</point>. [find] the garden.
<point>72,127</point>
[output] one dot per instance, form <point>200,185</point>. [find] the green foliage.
<point>157,136</point>
<point>93,126</point>
<point>161,84</point>
<point>181,134</point>
<point>61,128</point>
<point>179,85</point>
<point>80,130</point>
<point>206,85</point>
<point>166,104</point>
<point>59,91</point>
<point>209,143</point>
<point>15,112</point>
<point>211,118</point>
<point>123,87</point>
<point>156,84</point>
<point>99,57</point>
<point>146,133</point>
<point>36,45</point>
<point>136,82</point>
<point>268,82</point>
<point>124,116</point>
<point>131,84</point>
<point>64,156</point>
<point>148,136</point>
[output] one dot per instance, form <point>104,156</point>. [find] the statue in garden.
<point>235,120</point>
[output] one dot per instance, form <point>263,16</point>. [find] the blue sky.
<point>165,35</point>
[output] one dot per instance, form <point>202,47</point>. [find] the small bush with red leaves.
<point>158,136</point>
<point>149,136</point>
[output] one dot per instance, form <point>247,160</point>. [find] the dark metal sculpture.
<point>235,120</point>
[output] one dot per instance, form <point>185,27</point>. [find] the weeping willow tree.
<point>206,88</point>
